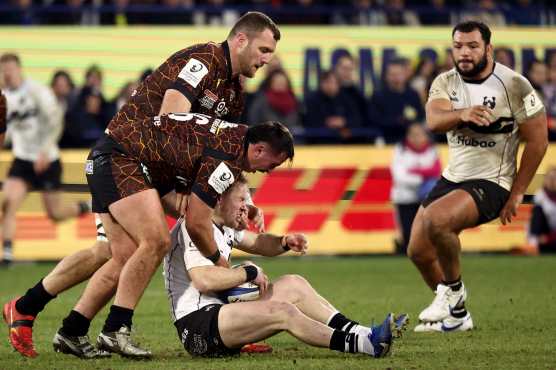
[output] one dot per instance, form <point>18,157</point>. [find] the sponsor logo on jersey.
<point>489,102</point>
<point>208,99</point>
<point>221,109</point>
<point>218,125</point>
<point>532,103</point>
<point>468,141</point>
<point>221,178</point>
<point>193,72</point>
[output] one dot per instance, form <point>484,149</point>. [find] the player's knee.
<point>296,284</point>
<point>101,251</point>
<point>159,243</point>
<point>435,224</point>
<point>53,215</point>
<point>418,254</point>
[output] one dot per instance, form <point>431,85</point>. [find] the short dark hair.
<point>326,74</point>
<point>93,68</point>
<point>10,57</point>
<point>275,134</point>
<point>254,22</point>
<point>470,26</point>
<point>64,74</point>
<point>239,180</point>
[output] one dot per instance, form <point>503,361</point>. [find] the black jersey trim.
<point>209,152</point>
<point>226,49</point>
<point>179,86</point>
<point>204,196</point>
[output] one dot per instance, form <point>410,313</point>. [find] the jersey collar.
<point>226,49</point>
<point>482,79</point>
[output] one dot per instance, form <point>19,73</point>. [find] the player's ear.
<point>242,40</point>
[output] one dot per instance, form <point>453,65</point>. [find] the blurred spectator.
<point>276,101</point>
<point>542,227</point>
<point>328,113</point>
<point>71,12</point>
<point>86,119</point>
<point>123,96</point>
<point>415,169</point>
<point>365,13</point>
<point>216,15</point>
<point>448,62</point>
<point>488,12</point>
<point>503,56</point>
<point>64,89</point>
<point>425,72</point>
<point>549,92</point>
<point>302,12</point>
<point>435,14</point>
<point>525,13</point>
<point>398,15</point>
<point>537,74</point>
<point>345,70</point>
<point>23,13</point>
<point>146,73</point>
<point>89,116</point>
<point>396,106</point>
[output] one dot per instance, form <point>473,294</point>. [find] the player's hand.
<point>41,164</point>
<point>510,208</point>
<point>478,114</point>
<point>181,203</point>
<point>222,262</point>
<point>256,216</point>
<point>297,243</point>
<point>261,280</point>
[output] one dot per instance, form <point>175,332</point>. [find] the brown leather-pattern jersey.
<point>191,152</point>
<point>3,113</point>
<point>202,73</point>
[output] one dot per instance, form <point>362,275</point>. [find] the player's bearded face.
<point>469,66</point>
<point>248,61</point>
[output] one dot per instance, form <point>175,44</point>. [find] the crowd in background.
<point>226,12</point>
<point>337,112</point>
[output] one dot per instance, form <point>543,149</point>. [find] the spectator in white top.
<point>542,227</point>
<point>415,169</point>
<point>34,126</point>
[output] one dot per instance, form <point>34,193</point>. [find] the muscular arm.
<point>271,245</point>
<point>198,222</point>
<point>215,278</point>
<point>442,117</point>
<point>533,132</point>
<point>174,101</point>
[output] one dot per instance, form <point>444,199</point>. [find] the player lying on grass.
<point>20,313</point>
<point>208,327</point>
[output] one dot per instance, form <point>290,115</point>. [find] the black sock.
<point>459,311</point>
<point>7,254</point>
<point>83,207</point>
<point>342,323</point>
<point>34,300</point>
<point>75,325</point>
<point>454,285</point>
<point>344,342</point>
<point>117,317</point>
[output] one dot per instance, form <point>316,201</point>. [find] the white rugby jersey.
<point>488,153</point>
<point>34,121</point>
<point>183,256</point>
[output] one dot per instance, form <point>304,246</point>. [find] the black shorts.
<point>47,181</point>
<point>199,333</point>
<point>489,197</point>
<point>112,175</point>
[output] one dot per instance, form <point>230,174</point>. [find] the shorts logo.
<point>145,171</point>
<point>193,72</point>
<point>184,335</point>
<point>221,178</point>
<point>89,167</point>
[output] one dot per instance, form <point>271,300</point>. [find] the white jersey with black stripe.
<point>487,152</point>
<point>183,256</point>
<point>35,121</point>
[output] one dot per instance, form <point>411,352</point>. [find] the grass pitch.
<point>512,300</point>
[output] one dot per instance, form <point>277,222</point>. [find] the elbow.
<point>433,127</point>
<point>202,285</point>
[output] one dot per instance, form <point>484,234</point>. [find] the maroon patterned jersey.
<point>188,151</point>
<point>202,73</point>
<point>3,113</point>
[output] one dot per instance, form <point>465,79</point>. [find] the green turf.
<point>512,299</point>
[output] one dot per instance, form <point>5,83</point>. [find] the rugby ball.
<point>242,293</point>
